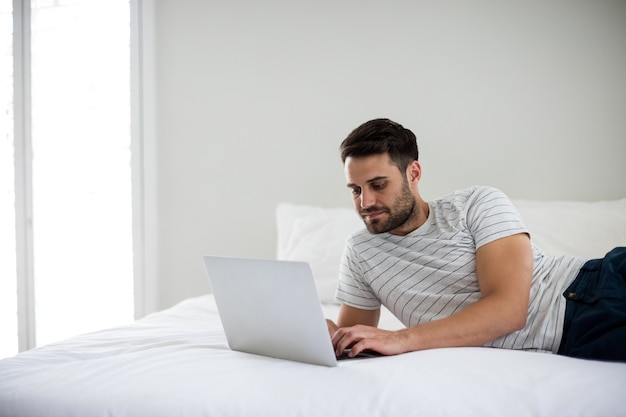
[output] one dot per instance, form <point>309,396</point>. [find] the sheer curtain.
<point>80,182</point>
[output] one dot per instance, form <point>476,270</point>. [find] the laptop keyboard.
<point>366,354</point>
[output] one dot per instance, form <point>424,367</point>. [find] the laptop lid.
<point>270,308</point>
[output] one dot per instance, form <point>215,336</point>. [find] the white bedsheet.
<point>176,363</point>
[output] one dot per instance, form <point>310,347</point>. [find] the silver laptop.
<point>270,308</point>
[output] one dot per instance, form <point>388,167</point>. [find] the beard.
<point>402,210</point>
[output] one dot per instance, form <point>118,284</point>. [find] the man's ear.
<point>414,172</point>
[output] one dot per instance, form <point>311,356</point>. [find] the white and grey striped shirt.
<point>430,273</point>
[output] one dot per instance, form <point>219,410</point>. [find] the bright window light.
<point>82,230</point>
<point>81,172</point>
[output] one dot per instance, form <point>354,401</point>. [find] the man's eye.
<point>378,185</point>
<point>356,191</point>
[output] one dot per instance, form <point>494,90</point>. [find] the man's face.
<point>381,194</point>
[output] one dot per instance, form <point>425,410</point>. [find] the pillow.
<point>316,235</point>
<point>585,229</point>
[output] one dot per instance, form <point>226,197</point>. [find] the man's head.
<point>382,136</point>
<point>381,168</point>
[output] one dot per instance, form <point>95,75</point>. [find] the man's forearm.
<point>482,322</point>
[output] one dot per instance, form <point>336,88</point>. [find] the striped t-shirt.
<point>430,273</point>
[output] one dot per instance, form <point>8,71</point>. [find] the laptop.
<point>270,308</point>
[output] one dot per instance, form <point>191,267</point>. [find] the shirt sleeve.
<point>491,215</point>
<point>352,290</point>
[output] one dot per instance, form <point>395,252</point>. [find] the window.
<point>66,174</point>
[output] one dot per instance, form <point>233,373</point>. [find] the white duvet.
<point>177,363</point>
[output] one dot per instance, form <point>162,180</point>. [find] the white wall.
<point>253,99</point>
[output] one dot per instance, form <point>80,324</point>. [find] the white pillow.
<point>316,235</point>
<point>585,229</point>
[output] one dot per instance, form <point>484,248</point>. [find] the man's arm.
<point>504,271</point>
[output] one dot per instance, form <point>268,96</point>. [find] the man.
<point>461,270</point>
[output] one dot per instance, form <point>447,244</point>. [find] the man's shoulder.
<point>464,199</point>
<point>470,193</point>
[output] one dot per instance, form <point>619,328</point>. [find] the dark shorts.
<point>595,312</point>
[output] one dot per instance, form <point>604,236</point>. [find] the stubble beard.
<point>404,208</point>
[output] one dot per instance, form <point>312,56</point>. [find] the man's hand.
<point>360,337</point>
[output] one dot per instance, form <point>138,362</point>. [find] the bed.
<point>176,362</point>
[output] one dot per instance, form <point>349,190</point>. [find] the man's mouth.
<point>372,214</point>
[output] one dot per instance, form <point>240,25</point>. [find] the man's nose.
<point>367,199</point>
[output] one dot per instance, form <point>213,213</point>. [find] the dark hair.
<point>379,136</point>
